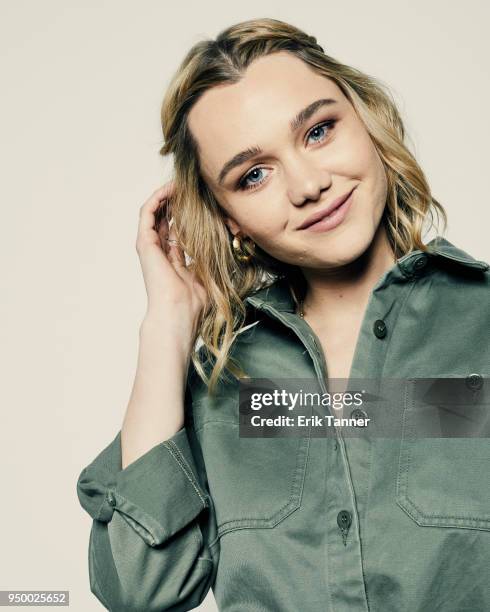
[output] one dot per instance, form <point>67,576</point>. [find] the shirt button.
<point>358,413</point>
<point>474,382</point>
<point>420,263</point>
<point>379,328</point>
<point>110,498</point>
<point>344,519</point>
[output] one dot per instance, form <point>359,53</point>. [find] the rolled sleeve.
<point>157,495</point>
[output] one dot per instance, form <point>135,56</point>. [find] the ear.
<point>232,225</point>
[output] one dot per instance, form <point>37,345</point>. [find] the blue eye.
<point>251,176</point>
<point>319,132</point>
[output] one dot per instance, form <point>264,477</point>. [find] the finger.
<point>175,252</point>
<point>163,231</point>
<point>157,201</point>
<point>162,212</point>
<point>160,219</point>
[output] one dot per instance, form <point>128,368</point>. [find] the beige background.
<point>82,84</point>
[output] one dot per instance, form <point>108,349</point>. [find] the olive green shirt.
<point>312,524</point>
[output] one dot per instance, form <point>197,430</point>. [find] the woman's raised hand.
<point>176,297</point>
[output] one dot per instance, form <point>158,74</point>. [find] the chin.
<point>338,247</point>
<point>348,245</point>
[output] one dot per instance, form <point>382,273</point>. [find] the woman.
<point>302,213</point>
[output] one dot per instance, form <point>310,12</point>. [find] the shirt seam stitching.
<point>180,459</point>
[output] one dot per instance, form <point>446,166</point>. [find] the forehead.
<point>231,117</point>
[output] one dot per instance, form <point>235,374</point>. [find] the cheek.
<point>267,230</point>
<point>279,244</point>
<point>370,169</point>
<point>367,157</point>
<point>380,180</point>
<point>261,217</point>
<point>266,236</point>
<point>360,154</point>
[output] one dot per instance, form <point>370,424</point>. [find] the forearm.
<point>155,410</point>
<point>153,546</point>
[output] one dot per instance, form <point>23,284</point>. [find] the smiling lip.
<point>324,214</point>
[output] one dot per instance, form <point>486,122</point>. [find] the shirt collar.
<point>279,296</point>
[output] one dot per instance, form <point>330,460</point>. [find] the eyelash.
<point>241,183</point>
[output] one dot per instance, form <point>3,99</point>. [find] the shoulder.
<point>454,258</point>
<point>455,268</point>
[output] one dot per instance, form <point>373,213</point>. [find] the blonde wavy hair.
<point>198,217</point>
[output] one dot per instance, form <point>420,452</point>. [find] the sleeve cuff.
<point>157,495</point>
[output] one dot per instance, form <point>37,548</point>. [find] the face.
<point>282,145</point>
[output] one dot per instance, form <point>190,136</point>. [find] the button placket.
<point>344,521</point>
<point>359,413</point>
<point>474,382</point>
<point>379,328</point>
<point>320,353</point>
<point>420,263</point>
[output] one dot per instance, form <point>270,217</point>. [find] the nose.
<point>305,180</point>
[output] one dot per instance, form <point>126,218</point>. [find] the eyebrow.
<point>295,123</point>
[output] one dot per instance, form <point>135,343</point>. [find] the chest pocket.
<point>255,483</point>
<point>444,478</point>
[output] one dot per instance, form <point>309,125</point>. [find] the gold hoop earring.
<point>239,252</point>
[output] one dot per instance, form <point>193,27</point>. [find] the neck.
<point>347,287</point>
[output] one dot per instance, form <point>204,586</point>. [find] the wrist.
<point>165,333</point>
